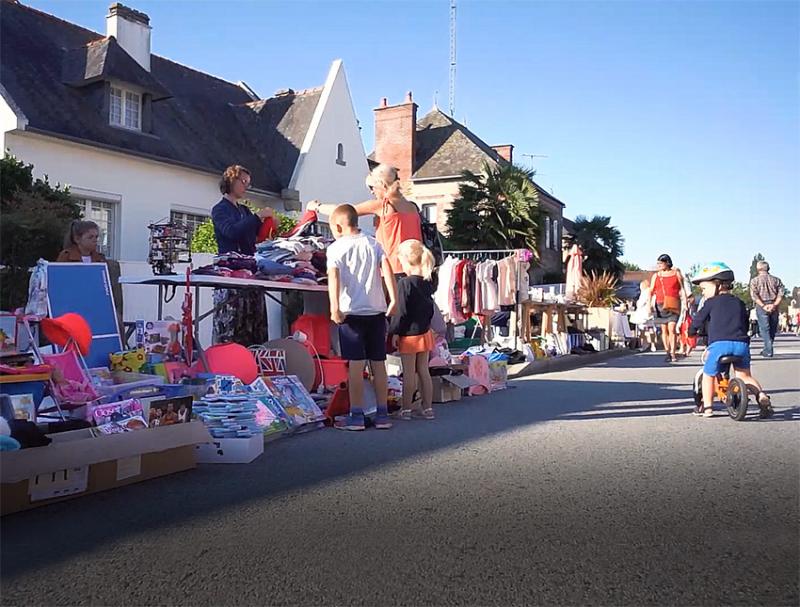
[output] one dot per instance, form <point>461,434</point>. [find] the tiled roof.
<point>206,122</point>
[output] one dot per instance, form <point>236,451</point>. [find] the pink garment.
<point>574,272</point>
<point>478,370</point>
<point>507,281</point>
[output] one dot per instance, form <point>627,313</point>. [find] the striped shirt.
<point>765,288</point>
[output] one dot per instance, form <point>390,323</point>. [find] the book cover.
<point>169,411</point>
<point>24,407</point>
<point>114,412</point>
<point>162,337</point>
<point>295,399</point>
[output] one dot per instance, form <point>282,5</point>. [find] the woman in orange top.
<point>398,218</point>
<point>667,299</point>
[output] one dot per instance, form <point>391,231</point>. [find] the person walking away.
<point>240,315</point>
<point>753,322</point>
<point>398,218</point>
<point>642,317</point>
<point>411,327</point>
<point>356,265</point>
<point>767,293</point>
<point>726,316</point>
<point>687,342</point>
<point>667,299</point>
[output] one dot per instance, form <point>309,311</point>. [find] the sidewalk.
<point>565,363</point>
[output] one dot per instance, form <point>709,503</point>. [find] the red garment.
<point>685,339</point>
<point>305,219</point>
<point>667,285</point>
<point>395,229</point>
<point>268,230</point>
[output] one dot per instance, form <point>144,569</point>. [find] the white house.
<point>140,138</point>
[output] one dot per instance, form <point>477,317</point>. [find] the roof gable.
<point>206,123</point>
<point>443,143</point>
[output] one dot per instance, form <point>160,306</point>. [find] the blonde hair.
<point>231,174</point>
<point>385,176</point>
<point>417,255</point>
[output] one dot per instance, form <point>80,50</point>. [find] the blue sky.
<point>680,120</point>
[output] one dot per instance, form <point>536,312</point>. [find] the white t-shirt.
<point>358,259</point>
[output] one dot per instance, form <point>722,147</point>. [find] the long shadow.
<point>294,464</point>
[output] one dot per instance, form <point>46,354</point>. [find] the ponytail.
<point>417,256</point>
<point>78,228</point>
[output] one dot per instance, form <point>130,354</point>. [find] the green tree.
<point>35,218</point>
<point>630,267</point>
<point>753,265</point>
<point>602,245</point>
<point>203,240</point>
<point>498,209</point>
<point>742,291</point>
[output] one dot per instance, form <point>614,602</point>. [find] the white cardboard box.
<point>230,450</point>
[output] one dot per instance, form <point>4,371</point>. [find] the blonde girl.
<point>411,327</point>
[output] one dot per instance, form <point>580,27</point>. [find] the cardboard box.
<point>450,388</point>
<point>230,450</point>
<point>77,463</point>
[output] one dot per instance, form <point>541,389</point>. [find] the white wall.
<point>145,190</point>
<point>317,175</point>
<point>9,120</point>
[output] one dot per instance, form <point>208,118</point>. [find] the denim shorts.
<point>718,349</point>
<point>363,337</point>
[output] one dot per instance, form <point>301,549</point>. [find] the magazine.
<point>271,416</point>
<point>295,399</point>
<point>112,412</point>
<point>128,424</point>
<point>170,411</point>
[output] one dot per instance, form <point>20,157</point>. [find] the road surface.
<point>593,486</point>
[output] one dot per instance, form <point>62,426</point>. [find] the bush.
<point>598,290</point>
<point>203,240</point>
<point>36,216</point>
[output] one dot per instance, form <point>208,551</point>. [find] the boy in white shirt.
<point>356,267</point>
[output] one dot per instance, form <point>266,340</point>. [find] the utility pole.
<point>452,58</point>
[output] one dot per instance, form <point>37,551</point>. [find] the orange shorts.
<point>415,344</point>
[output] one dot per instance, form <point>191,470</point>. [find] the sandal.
<point>405,414</point>
<point>423,414</point>
<point>708,412</point>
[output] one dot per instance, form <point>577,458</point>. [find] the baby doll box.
<point>77,463</point>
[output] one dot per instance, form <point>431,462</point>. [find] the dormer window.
<point>125,109</point>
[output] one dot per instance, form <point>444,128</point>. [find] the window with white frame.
<point>104,214</point>
<point>547,233</point>
<point>125,108</point>
<point>556,239</point>
<point>192,220</point>
<point>430,212</point>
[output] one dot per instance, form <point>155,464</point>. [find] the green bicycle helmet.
<point>715,270</point>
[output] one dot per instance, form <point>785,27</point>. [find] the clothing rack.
<point>496,254</point>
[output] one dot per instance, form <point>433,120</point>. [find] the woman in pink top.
<point>398,218</point>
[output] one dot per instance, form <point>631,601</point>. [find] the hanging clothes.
<point>524,286</point>
<point>443,295</point>
<point>507,281</point>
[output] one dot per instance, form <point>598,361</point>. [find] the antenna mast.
<point>452,58</point>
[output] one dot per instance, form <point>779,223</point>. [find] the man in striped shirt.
<point>767,293</point>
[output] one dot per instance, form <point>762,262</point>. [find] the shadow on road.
<point>293,465</point>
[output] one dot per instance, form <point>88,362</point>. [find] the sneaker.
<point>349,422</point>
<point>382,422</point>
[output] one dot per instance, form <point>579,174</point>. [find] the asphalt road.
<point>593,486</point>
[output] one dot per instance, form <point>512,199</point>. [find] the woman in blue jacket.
<point>241,314</point>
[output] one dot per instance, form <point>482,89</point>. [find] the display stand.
<point>515,324</point>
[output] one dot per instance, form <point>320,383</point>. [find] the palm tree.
<point>602,245</point>
<point>498,209</point>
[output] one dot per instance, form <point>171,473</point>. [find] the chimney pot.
<point>409,97</point>
<point>384,102</point>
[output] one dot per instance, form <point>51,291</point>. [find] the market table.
<point>199,281</point>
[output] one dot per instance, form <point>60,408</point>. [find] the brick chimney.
<point>132,30</point>
<point>396,135</point>
<point>505,151</point>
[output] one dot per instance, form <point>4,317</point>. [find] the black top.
<point>414,307</point>
<point>235,228</point>
<point>726,316</point>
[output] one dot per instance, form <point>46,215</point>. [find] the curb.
<point>565,363</point>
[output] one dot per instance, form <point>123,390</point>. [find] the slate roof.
<point>446,147</point>
<point>205,123</point>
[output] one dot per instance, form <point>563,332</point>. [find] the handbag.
<point>671,304</point>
